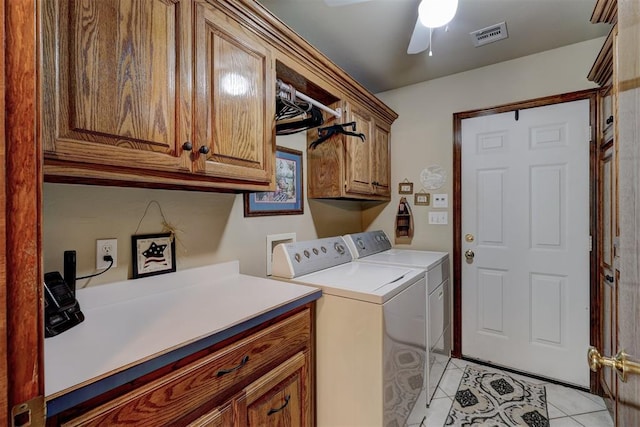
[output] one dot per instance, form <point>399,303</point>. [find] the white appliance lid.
<point>363,281</point>
<point>407,257</point>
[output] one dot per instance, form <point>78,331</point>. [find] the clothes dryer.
<point>371,349</point>
<point>375,247</point>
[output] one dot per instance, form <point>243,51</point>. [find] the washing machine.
<point>375,247</point>
<point>370,329</point>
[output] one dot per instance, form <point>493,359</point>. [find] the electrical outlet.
<point>440,200</point>
<point>106,247</point>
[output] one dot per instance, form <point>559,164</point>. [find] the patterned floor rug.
<point>486,398</point>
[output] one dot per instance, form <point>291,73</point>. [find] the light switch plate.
<point>440,200</point>
<point>438,218</point>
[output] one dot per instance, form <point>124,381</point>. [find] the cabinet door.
<point>219,417</point>
<point>358,152</point>
<point>235,99</point>
<point>381,160</point>
<point>117,82</point>
<point>281,397</point>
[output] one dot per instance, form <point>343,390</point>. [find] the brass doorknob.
<point>469,254</point>
<point>619,363</point>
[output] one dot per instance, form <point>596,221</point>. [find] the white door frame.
<point>591,94</point>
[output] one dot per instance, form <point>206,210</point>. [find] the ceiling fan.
<point>431,14</point>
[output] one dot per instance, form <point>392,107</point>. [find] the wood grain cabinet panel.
<point>219,417</point>
<point>281,398</point>
<point>116,82</point>
<point>235,105</point>
<point>359,152</point>
<point>381,170</point>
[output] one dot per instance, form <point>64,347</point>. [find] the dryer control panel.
<point>367,243</point>
<point>299,258</point>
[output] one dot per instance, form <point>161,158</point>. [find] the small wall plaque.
<point>405,187</point>
<point>422,198</point>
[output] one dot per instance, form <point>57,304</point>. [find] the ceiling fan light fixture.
<point>436,13</point>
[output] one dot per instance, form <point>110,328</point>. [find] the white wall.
<point>211,226</point>
<point>423,134</point>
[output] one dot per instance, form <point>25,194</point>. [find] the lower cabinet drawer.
<point>166,400</point>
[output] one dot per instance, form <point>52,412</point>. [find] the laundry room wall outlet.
<point>440,200</point>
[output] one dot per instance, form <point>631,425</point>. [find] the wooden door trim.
<point>4,378</point>
<point>22,208</point>
<point>591,95</point>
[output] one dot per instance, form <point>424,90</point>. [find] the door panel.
<point>116,82</point>
<point>234,109</point>
<point>359,154</point>
<point>21,367</point>
<point>382,163</point>
<point>491,285</point>
<point>628,140</point>
<point>607,277</point>
<point>490,203</point>
<point>547,303</point>
<point>547,220</point>
<point>525,196</point>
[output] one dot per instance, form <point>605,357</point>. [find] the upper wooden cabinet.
<point>116,83</point>
<point>346,166</point>
<point>181,94</point>
<point>131,93</point>
<point>235,100</point>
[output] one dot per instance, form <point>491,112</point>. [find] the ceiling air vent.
<point>489,35</point>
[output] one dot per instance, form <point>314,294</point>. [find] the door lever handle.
<point>619,363</point>
<point>608,278</point>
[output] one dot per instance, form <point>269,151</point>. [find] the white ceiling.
<point>369,40</point>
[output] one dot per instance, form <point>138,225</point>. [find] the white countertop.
<point>130,322</point>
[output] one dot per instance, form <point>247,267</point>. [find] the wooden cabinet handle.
<point>204,149</point>
<point>243,362</point>
<point>187,146</point>
<point>286,402</point>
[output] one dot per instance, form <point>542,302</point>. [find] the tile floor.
<point>567,407</point>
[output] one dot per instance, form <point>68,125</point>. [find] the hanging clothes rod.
<point>283,87</point>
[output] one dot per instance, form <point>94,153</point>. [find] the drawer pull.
<point>286,402</point>
<point>235,368</point>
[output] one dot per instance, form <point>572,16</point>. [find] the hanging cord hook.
<point>166,226</point>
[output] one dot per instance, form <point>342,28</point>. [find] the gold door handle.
<point>469,255</point>
<point>619,363</point>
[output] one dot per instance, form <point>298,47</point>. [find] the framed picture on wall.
<point>422,199</point>
<point>288,198</point>
<point>405,187</point>
<point>153,254</point>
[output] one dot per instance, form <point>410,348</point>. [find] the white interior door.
<point>525,201</point>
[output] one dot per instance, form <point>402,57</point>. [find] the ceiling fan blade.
<point>419,39</point>
<point>334,3</point>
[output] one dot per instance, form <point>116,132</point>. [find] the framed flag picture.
<point>153,254</point>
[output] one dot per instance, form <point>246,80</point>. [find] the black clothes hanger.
<point>327,132</point>
<point>286,111</point>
